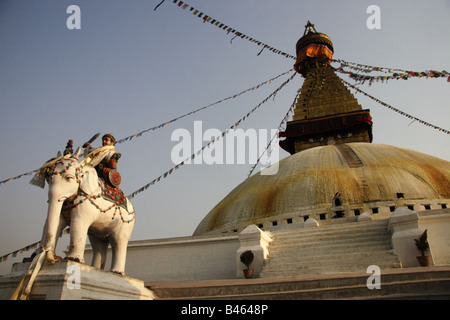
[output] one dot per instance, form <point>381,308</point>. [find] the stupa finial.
<point>311,47</point>
<point>308,27</point>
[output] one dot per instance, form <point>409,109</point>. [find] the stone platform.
<point>68,280</point>
<point>420,283</point>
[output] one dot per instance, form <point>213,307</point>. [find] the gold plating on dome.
<point>311,178</point>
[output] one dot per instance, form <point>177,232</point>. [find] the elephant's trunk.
<point>53,222</point>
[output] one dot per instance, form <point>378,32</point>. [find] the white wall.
<point>179,259</point>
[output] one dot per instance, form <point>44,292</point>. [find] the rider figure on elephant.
<point>104,160</point>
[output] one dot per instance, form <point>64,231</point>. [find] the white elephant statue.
<point>87,212</point>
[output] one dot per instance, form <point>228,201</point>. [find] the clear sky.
<point>130,68</point>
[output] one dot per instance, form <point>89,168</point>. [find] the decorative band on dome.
<point>313,45</point>
<point>328,123</point>
<point>313,38</point>
<point>317,51</point>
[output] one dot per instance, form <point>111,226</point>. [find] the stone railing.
<point>406,225</point>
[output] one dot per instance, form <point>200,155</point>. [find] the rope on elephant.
<point>23,290</point>
<point>136,135</point>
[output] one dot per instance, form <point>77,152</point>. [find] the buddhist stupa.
<point>334,171</point>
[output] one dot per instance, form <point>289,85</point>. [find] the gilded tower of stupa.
<point>325,112</point>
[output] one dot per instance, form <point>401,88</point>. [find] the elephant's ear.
<point>89,180</point>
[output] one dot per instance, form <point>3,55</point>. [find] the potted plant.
<point>423,246</point>
<point>247,259</point>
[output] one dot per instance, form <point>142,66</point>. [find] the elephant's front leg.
<point>119,253</point>
<point>78,233</point>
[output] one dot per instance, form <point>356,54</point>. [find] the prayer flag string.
<point>227,28</point>
<point>397,110</point>
<point>366,68</point>
<point>202,108</point>
<point>395,74</point>
<point>167,173</point>
<point>139,134</point>
<point>280,127</point>
<point>199,152</point>
<point>14,253</point>
<point>26,248</point>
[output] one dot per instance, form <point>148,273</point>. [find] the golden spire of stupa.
<point>326,112</point>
